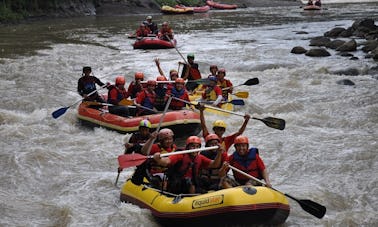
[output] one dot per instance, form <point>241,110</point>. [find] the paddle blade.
<point>252,81</point>
<point>126,102</point>
<point>273,122</point>
<point>313,208</point>
<point>59,112</point>
<point>238,102</point>
<point>242,94</point>
<point>130,160</point>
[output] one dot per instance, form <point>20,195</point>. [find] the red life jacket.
<point>176,104</point>
<point>246,164</point>
<point>121,94</point>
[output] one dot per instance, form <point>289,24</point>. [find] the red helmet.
<point>212,136</point>
<point>120,80</point>
<point>241,140</point>
<point>139,76</point>
<point>193,139</point>
<point>151,82</point>
<point>161,78</point>
<point>222,70</point>
<point>180,81</point>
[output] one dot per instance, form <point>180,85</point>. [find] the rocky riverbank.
<point>15,12</point>
<point>363,34</point>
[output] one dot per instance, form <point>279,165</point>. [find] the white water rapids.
<point>58,173</point>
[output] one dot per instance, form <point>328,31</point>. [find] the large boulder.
<point>345,82</point>
<point>335,32</point>
<point>348,46</point>
<point>319,41</point>
<point>298,50</point>
<point>318,52</point>
<point>334,44</point>
<point>369,45</point>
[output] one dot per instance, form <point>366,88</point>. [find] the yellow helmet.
<point>219,123</point>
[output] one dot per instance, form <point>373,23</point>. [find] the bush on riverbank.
<point>15,10</point>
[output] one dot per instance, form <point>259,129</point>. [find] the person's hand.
<point>157,61</point>
<point>128,145</point>
<point>200,106</point>
<point>156,156</point>
<point>247,117</point>
<point>107,84</point>
<point>154,134</point>
<point>85,96</point>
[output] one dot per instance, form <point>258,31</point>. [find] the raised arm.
<point>205,131</point>
<point>242,128</point>
<point>157,62</point>
<point>147,146</point>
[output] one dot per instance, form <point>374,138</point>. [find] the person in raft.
<point>116,94</point>
<point>87,84</point>
<point>224,84</point>
<point>247,160</point>
<point>146,99</point>
<point>209,178</point>
<point>142,31</point>
<point>139,138</point>
<point>165,32</point>
<point>151,25</point>
<point>161,91</point>
<point>178,91</point>
<point>212,93</point>
<point>136,86</point>
<point>165,144</point>
<point>190,71</point>
<point>183,170</point>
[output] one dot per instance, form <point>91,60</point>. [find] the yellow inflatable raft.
<point>244,205</point>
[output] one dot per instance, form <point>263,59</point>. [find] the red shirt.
<point>201,162</point>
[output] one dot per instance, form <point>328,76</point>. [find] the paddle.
<point>310,206</point>
<point>136,159</point>
<point>59,112</point>
<point>238,102</point>
<point>126,102</point>
<point>126,140</point>
<point>199,81</point>
<point>176,49</point>
<point>242,94</point>
<point>249,82</point>
<point>268,121</point>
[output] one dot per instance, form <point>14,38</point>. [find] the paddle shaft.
<point>271,122</point>
<point>136,159</point>
<point>185,151</point>
<point>126,140</point>
<point>176,49</point>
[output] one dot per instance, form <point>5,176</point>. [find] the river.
<point>56,172</point>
